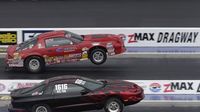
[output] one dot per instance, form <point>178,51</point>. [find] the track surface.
<point>99,13</point>
<point>145,109</point>
<point>117,68</point>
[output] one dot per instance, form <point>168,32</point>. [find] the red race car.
<point>63,46</point>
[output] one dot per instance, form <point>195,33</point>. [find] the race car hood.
<point>118,85</point>
<point>118,82</point>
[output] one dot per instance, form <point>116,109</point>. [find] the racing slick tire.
<point>41,108</point>
<point>98,56</point>
<point>114,105</point>
<point>34,64</point>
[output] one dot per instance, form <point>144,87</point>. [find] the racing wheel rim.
<point>113,107</point>
<point>98,56</point>
<point>34,64</point>
<point>41,109</point>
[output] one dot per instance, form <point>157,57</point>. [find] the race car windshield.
<point>93,84</point>
<point>75,37</point>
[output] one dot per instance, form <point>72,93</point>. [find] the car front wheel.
<point>113,105</point>
<point>34,64</point>
<point>98,56</point>
<point>41,108</point>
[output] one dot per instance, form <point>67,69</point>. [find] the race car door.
<point>68,95</point>
<point>57,49</point>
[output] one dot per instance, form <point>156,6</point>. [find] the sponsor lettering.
<point>173,86</point>
<point>179,37</point>
<point>164,37</point>
<point>140,37</point>
<point>8,38</point>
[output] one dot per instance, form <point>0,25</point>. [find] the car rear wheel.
<point>41,108</point>
<point>98,56</point>
<point>114,105</point>
<point>34,64</point>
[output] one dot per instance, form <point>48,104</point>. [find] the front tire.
<point>41,108</point>
<point>34,64</point>
<point>114,105</point>
<point>98,56</point>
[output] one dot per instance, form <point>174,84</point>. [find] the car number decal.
<point>61,88</point>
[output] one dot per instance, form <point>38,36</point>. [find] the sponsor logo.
<point>8,37</point>
<point>155,87</point>
<point>28,34</point>
<point>19,85</point>
<point>173,86</point>
<point>2,87</point>
<point>67,49</point>
<point>164,37</point>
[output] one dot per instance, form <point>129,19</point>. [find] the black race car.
<point>75,93</point>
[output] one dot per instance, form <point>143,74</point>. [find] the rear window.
<point>27,44</point>
<point>37,90</point>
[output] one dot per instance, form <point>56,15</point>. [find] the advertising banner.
<point>6,86</point>
<point>170,86</point>
<point>138,40</point>
<point>180,87</point>
<point>8,37</point>
<point>28,34</point>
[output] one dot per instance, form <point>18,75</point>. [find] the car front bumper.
<point>11,109</point>
<point>15,62</point>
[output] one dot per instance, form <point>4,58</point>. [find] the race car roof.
<point>65,77</point>
<point>52,34</point>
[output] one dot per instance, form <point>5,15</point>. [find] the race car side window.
<point>70,89</point>
<point>49,89</point>
<point>57,41</point>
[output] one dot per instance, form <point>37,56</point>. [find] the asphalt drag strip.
<point>117,68</point>
<point>143,107</point>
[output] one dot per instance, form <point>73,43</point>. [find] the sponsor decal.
<point>155,87</point>
<point>37,93</point>
<point>40,46</point>
<point>80,82</point>
<point>95,43</point>
<point>110,49</point>
<point>76,55</point>
<point>174,86</point>
<point>85,53</point>
<point>8,37</point>
<point>28,34</point>
<point>66,49</point>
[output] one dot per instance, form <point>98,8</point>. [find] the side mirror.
<point>84,91</point>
